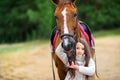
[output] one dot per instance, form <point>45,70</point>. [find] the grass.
<point>106,33</point>
<point>26,46</point>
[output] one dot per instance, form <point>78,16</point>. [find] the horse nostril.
<point>66,47</point>
<point>68,44</point>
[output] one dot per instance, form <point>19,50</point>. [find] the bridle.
<point>69,35</point>
<point>75,27</point>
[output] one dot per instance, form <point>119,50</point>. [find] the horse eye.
<point>75,28</point>
<point>56,17</point>
<point>75,15</point>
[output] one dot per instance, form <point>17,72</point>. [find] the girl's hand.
<point>73,66</point>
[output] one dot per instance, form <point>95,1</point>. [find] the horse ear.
<point>73,1</point>
<point>55,1</point>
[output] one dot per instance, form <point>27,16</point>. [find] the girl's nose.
<point>80,50</point>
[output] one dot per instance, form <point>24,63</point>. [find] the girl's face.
<point>79,49</point>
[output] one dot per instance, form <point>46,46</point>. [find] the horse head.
<point>66,18</point>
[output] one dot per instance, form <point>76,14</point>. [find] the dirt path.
<point>108,55</point>
<point>36,63</point>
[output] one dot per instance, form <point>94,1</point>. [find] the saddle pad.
<point>87,33</point>
<point>53,37</point>
<point>85,30</point>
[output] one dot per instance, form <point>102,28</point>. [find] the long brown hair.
<point>87,50</point>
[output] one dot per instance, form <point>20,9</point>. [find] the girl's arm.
<point>90,70</point>
<point>60,53</point>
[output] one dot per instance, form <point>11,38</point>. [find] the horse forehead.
<point>69,8</point>
<point>64,12</point>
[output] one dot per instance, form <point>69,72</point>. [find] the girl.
<point>84,64</point>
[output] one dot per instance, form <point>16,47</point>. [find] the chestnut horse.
<point>67,24</point>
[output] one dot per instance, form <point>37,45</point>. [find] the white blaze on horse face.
<point>65,25</point>
<point>65,21</point>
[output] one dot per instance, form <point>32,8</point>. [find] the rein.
<point>53,67</point>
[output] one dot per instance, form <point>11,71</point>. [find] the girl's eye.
<point>82,48</point>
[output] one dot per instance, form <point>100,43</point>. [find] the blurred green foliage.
<point>23,20</point>
<point>99,14</point>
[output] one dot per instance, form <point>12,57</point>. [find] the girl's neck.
<point>80,58</point>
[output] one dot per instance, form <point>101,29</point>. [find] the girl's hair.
<point>87,50</point>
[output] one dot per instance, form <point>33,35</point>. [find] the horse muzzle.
<point>68,43</point>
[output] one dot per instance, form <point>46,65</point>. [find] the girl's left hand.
<point>73,66</point>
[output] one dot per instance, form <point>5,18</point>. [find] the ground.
<point>35,64</point>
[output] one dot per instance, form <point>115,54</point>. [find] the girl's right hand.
<point>73,66</point>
